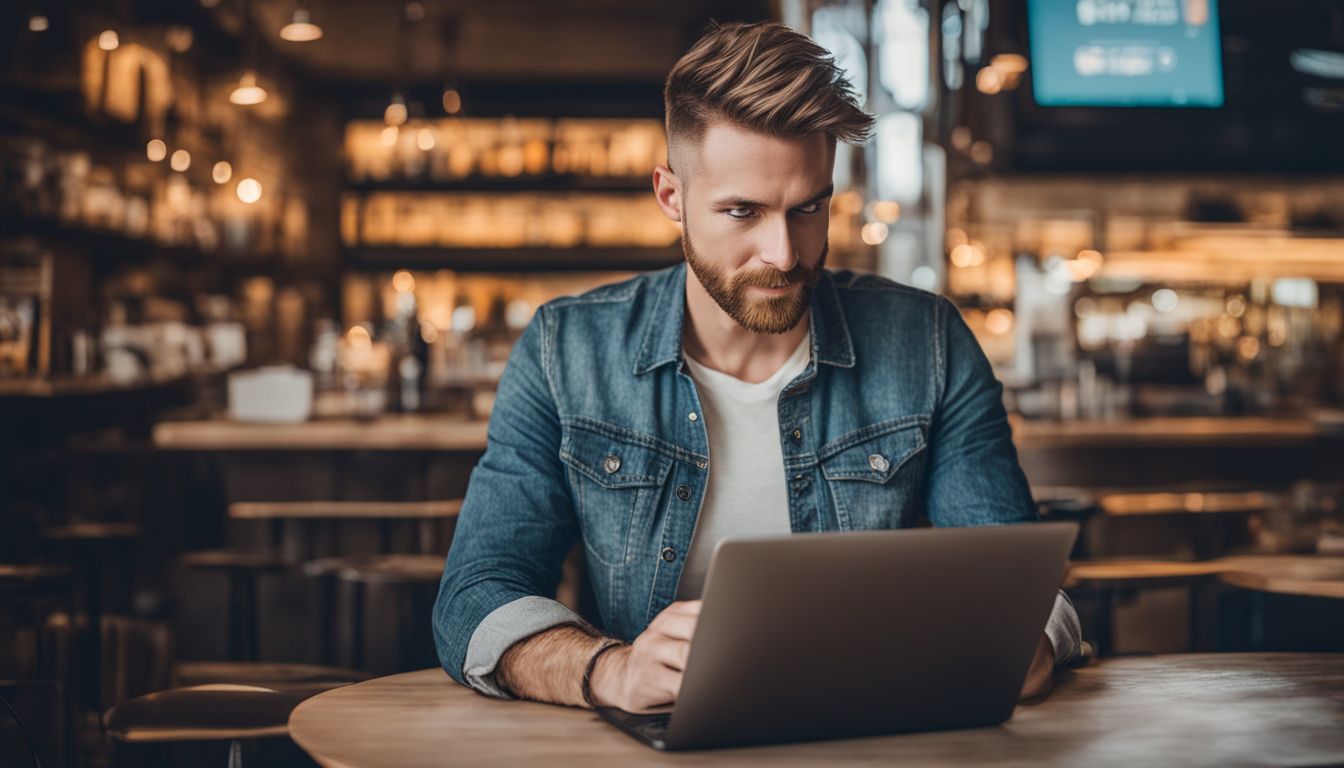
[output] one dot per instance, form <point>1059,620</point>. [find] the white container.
<point>279,394</point>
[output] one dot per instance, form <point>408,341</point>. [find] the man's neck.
<point>715,340</point>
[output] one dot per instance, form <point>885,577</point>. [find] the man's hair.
<point>764,77</point>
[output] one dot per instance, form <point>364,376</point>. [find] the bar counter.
<point>438,432</point>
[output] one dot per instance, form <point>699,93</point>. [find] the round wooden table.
<point>1207,709</point>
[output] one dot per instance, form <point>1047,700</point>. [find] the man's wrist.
<point>607,664</point>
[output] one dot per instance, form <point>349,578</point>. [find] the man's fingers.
<point>680,627</point>
<point>673,653</point>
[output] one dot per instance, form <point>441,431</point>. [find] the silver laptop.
<point>839,635</point>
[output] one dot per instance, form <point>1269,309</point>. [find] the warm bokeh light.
<point>108,40</point>
<point>1009,63</point>
<point>887,211</point>
<point>395,114</point>
<point>388,136</point>
<point>38,23</point>
<point>452,101</point>
<point>403,281</point>
<point>248,92</point>
<point>180,161</point>
<point>179,37</point>
<point>989,81</point>
<point>156,150</point>
<point>221,172</point>
<point>424,139</point>
<point>874,233</point>
<point>970,254</point>
<point>301,28</point>
<point>249,190</point>
<point>999,321</point>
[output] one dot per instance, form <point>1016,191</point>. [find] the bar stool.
<point>33,594</point>
<point>87,547</point>
<point>407,576</point>
<point>235,713</point>
<point>403,573</point>
<point>243,570</point>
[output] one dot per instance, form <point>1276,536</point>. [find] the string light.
<point>221,172</point>
<point>395,114</point>
<point>452,101</point>
<point>180,161</point>
<point>156,150</point>
<point>108,40</point>
<point>38,23</point>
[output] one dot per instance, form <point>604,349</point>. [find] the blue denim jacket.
<point>596,433</point>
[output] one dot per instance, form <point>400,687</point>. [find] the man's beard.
<point>774,314</point>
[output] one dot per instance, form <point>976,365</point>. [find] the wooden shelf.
<point>512,259</point>
<point>544,183</point>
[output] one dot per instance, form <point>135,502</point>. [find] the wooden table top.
<point>391,432</point>
<point>1304,575</point>
<point>1208,709</point>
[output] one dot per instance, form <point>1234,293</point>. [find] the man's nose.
<point>778,251</point>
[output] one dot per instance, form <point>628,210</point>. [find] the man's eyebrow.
<point>742,202</point>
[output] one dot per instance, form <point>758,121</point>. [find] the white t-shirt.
<point>747,492</point>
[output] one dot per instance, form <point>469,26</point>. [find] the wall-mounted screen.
<point>1125,53</point>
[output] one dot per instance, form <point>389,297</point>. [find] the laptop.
<point>839,635</point>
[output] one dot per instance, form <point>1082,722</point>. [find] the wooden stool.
<point>243,570</point>
<point>1105,579</point>
<point>220,712</point>
<point>87,547</point>
<point>27,589</point>
<point>409,574</point>
<point>395,570</point>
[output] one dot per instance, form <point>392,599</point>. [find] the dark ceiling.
<point>535,40</point>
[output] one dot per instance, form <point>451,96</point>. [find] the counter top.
<point>1179,431</point>
<point>391,432</point>
<point>431,432</point>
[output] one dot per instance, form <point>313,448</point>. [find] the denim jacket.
<point>596,433</point>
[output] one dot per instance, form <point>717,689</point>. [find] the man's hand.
<point>1040,673</point>
<point>646,675</point>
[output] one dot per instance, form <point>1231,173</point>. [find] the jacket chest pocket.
<point>615,484</point>
<point>875,481</point>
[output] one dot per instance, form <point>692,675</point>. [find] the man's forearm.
<point>548,666</point>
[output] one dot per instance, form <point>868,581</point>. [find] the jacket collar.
<point>662,341</point>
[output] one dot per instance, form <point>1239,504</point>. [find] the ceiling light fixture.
<point>248,92</point>
<point>301,28</point>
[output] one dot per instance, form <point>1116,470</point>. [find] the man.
<point>752,393</point>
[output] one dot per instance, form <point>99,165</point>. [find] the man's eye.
<point>809,209</point>
<point>739,213</point>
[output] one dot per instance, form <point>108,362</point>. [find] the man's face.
<point>755,210</point>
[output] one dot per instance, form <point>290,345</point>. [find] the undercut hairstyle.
<point>764,77</point>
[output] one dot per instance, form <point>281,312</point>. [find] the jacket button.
<point>701,463</point>
<point>878,462</point>
<point>693,416</point>
<point>683,493</point>
<point>797,435</point>
<point>669,554</point>
<point>612,463</point>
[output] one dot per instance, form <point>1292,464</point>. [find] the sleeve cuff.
<point>1064,631</point>
<point>501,628</point>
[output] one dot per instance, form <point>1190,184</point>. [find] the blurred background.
<point>262,263</point>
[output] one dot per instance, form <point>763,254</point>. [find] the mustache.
<point>773,278</point>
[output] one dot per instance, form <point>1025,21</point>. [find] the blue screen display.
<point>1126,53</point>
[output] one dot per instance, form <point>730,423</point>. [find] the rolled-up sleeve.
<point>516,526</point>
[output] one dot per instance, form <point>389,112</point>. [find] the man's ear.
<point>667,190</point>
